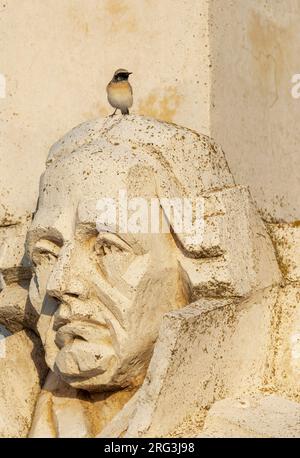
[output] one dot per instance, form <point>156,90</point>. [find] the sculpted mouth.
<point>86,350</point>
<point>81,330</point>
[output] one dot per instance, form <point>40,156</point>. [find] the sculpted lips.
<point>85,349</point>
<point>81,330</point>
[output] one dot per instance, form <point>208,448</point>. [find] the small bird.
<point>119,91</point>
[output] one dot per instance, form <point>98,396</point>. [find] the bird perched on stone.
<point>119,91</point>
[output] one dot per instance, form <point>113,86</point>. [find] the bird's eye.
<point>122,76</point>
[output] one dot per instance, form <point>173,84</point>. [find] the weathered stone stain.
<point>161,104</point>
<point>75,14</point>
<point>269,44</point>
<point>98,109</point>
<point>123,17</point>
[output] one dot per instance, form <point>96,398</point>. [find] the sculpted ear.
<point>230,260</point>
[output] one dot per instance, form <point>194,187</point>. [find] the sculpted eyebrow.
<point>113,238</point>
<point>45,244</point>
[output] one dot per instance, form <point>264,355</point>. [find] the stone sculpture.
<point>130,319</point>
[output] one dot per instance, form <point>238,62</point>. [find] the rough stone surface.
<point>14,267</point>
<point>238,248</point>
<point>286,238</point>
<point>62,412</point>
<point>253,417</point>
<point>58,412</point>
<point>287,342</point>
<point>210,350</point>
<point>131,321</point>
<point>22,373</point>
<point>16,311</point>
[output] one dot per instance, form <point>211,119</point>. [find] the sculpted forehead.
<point>101,170</point>
<point>80,176</point>
<point>78,181</point>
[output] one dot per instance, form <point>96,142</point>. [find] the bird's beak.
<point>129,73</point>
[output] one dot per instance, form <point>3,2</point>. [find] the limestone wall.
<point>255,52</point>
<point>222,68</point>
<point>57,57</point>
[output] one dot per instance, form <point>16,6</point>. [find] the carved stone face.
<point>100,295</point>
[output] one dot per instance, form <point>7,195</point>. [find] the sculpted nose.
<point>62,316</point>
<point>64,278</point>
<point>73,288</point>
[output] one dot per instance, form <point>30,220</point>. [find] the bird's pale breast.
<point>120,94</point>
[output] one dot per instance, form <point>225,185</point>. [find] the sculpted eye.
<point>107,244</point>
<point>45,251</point>
<point>105,248</point>
<point>114,256</point>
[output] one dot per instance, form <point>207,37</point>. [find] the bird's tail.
<point>125,111</point>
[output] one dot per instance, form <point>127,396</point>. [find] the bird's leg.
<point>113,114</point>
